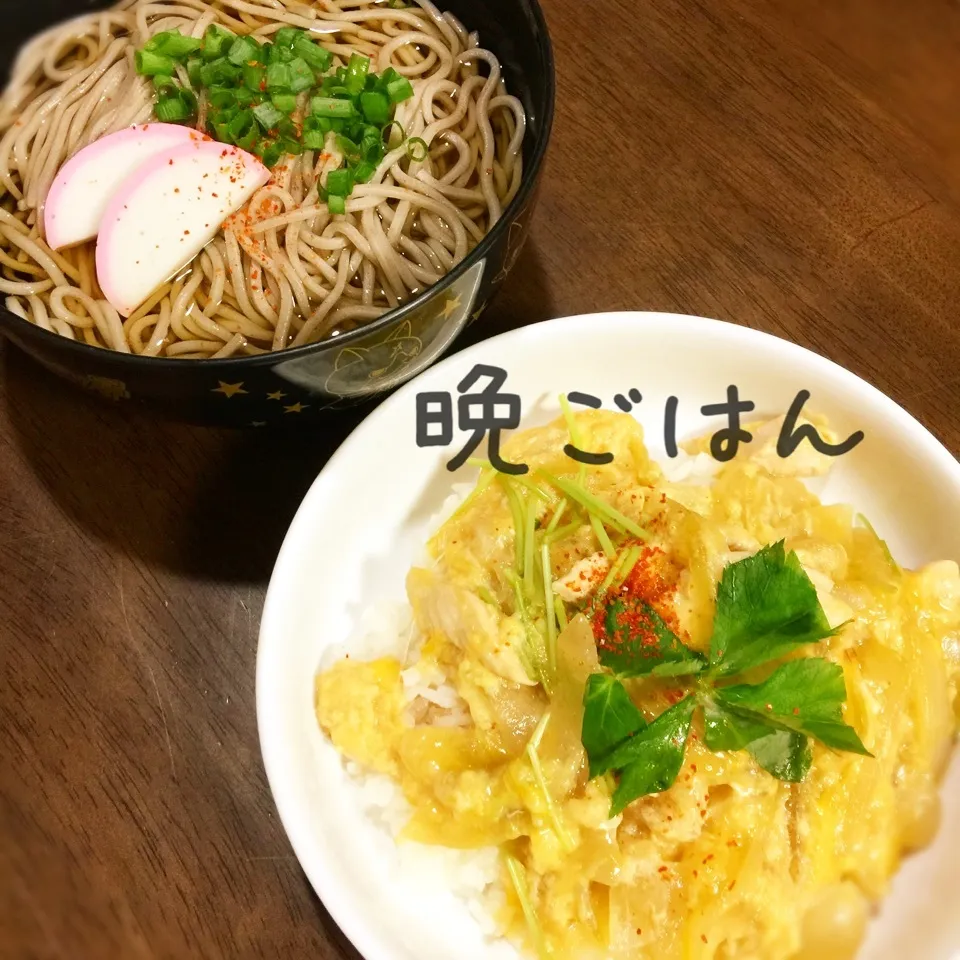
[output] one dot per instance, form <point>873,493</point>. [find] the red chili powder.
<point>645,584</point>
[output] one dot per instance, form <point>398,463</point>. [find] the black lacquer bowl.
<point>297,386</point>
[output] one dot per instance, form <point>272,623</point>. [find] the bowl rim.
<point>529,182</point>
<point>338,904</point>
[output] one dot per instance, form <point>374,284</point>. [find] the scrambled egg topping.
<point>729,862</point>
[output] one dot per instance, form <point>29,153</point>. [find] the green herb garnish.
<point>613,717</point>
<point>288,88</point>
<point>767,608</point>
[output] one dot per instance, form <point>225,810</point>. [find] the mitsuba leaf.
<point>803,696</point>
<point>766,607</point>
<point>651,759</point>
<point>723,730</point>
<point>630,749</point>
<point>609,717</point>
<point>783,753</point>
<point>638,642</point>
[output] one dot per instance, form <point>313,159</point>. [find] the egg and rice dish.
<point>698,719</point>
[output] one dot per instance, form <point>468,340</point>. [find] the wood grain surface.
<point>791,165</point>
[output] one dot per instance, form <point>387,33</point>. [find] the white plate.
<point>364,521</point>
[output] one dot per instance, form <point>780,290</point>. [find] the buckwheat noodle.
<point>283,272</point>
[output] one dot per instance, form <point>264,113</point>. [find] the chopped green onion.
<point>387,131</point>
<point>284,102</point>
<point>193,72</point>
<point>375,107</point>
<point>221,97</point>
<point>254,76</point>
<point>301,76</point>
<point>388,76</point>
<point>216,42</point>
<point>243,50</point>
<point>268,116</point>
<point>336,204</point>
<point>347,147</point>
<point>339,183</point>
<point>372,150</point>
<point>189,98</point>
<point>417,149</point>
<point>165,86</point>
<point>317,124</point>
<point>171,110</point>
<point>241,125</point>
<point>287,128</point>
<point>314,139</point>
<point>269,152</point>
<point>278,76</point>
<point>363,171</point>
<point>219,72</point>
<point>172,43</point>
<point>252,84</point>
<point>249,139</point>
<point>356,75</point>
<point>318,58</point>
<point>331,107</point>
<point>151,64</point>
<point>288,37</point>
<point>279,54</point>
<point>399,90</point>
<point>333,85</point>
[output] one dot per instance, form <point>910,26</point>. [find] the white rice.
<point>701,469</point>
<point>387,629</point>
<point>697,469</point>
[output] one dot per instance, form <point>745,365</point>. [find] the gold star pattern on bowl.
<point>229,389</point>
<point>451,307</point>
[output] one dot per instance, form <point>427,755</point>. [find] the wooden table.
<point>792,165</point>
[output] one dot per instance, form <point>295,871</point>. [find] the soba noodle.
<point>283,272</point>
